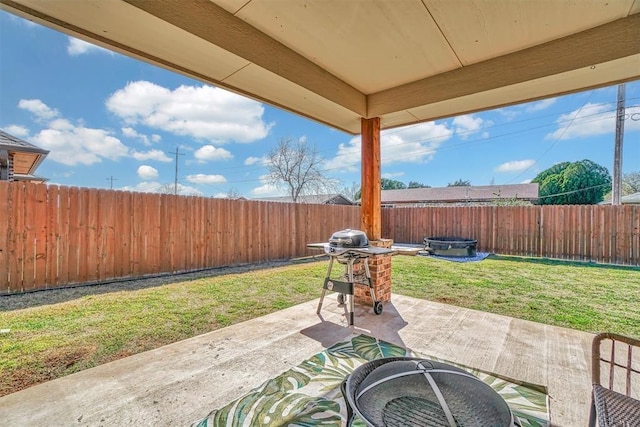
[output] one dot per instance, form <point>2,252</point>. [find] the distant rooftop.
<point>318,199</point>
<point>630,199</point>
<point>481,193</point>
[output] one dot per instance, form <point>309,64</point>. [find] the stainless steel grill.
<point>349,247</point>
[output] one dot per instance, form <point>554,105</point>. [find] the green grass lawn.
<point>51,341</point>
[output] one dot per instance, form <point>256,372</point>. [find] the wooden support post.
<point>371,215</point>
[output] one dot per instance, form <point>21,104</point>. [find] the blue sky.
<point>105,115</point>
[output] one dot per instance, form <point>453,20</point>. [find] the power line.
<point>573,191</point>
<point>617,147</point>
<point>111,179</point>
<point>175,181</point>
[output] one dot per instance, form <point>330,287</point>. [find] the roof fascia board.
<point>614,40</point>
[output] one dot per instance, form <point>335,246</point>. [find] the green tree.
<point>386,184</point>
<point>415,184</point>
<point>460,183</point>
<point>392,184</point>
<point>577,183</point>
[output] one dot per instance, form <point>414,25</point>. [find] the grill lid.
<point>349,239</point>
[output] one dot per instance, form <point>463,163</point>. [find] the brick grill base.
<point>380,269</point>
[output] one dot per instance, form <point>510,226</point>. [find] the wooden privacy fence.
<point>53,236</point>
<point>604,234</point>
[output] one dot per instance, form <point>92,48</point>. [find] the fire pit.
<point>349,247</point>
<point>451,246</point>
<point>403,391</point>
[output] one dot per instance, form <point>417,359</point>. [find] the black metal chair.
<point>612,401</point>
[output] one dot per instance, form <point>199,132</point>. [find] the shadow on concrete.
<point>385,326</point>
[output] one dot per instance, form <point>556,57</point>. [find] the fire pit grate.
<point>451,246</point>
<point>402,391</point>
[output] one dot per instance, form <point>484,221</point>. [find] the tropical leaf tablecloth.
<point>309,394</point>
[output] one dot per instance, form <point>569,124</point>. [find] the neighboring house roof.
<point>31,178</point>
<point>316,199</point>
<point>461,194</point>
<point>26,156</point>
<point>630,199</point>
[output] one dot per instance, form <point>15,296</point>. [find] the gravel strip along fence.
<point>57,295</point>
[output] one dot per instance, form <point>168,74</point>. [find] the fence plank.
<point>53,207</point>
<point>40,225</point>
<point>5,213</point>
<point>17,267</point>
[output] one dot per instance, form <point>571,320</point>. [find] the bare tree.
<point>296,166</point>
<point>351,191</point>
<point>169,189</point>
<point>233,193</point>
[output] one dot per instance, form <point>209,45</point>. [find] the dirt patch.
<point>56,363</point>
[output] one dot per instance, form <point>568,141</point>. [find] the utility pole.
<point>175,181</point>
<point>111,179</point>
<point>617,150</point>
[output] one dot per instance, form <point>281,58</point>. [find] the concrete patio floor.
<point>181,383</point>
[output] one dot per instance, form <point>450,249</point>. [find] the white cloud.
<point>202,112</point>
<point>73,143</point>
<point>254,160</point>
<point>391,175</point>
<point>156,187</point>
<point>145,187</point>
<point>592,120</point>
<point>151,155</point>
<point>38,108</point>
<point>16,130</point>
<point>147,172</point>
<point>540,105</point>
<point>267,190</point>
<point>220,195</point>
<point>155,138</point>
<point>201,178</point>
<point>130,132</point>
<point>186,190</point>
<point>509,113</point>
<point>80,47</point>
<point>527,181</point>
<point>469,124</point>
<point>413,144</point>
<point>209,152</point>
<point>70,144</point>
<point>515,166</point>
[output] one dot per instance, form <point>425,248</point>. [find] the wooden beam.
<point>214,24</point>
<point>615,40</point>
<point>371,214</point>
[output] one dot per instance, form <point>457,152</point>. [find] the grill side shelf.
<point>338,286</point>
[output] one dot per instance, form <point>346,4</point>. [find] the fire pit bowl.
<point>403,391</point>
<point>451,246</point>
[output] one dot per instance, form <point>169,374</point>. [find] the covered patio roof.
<point>337,62</point>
